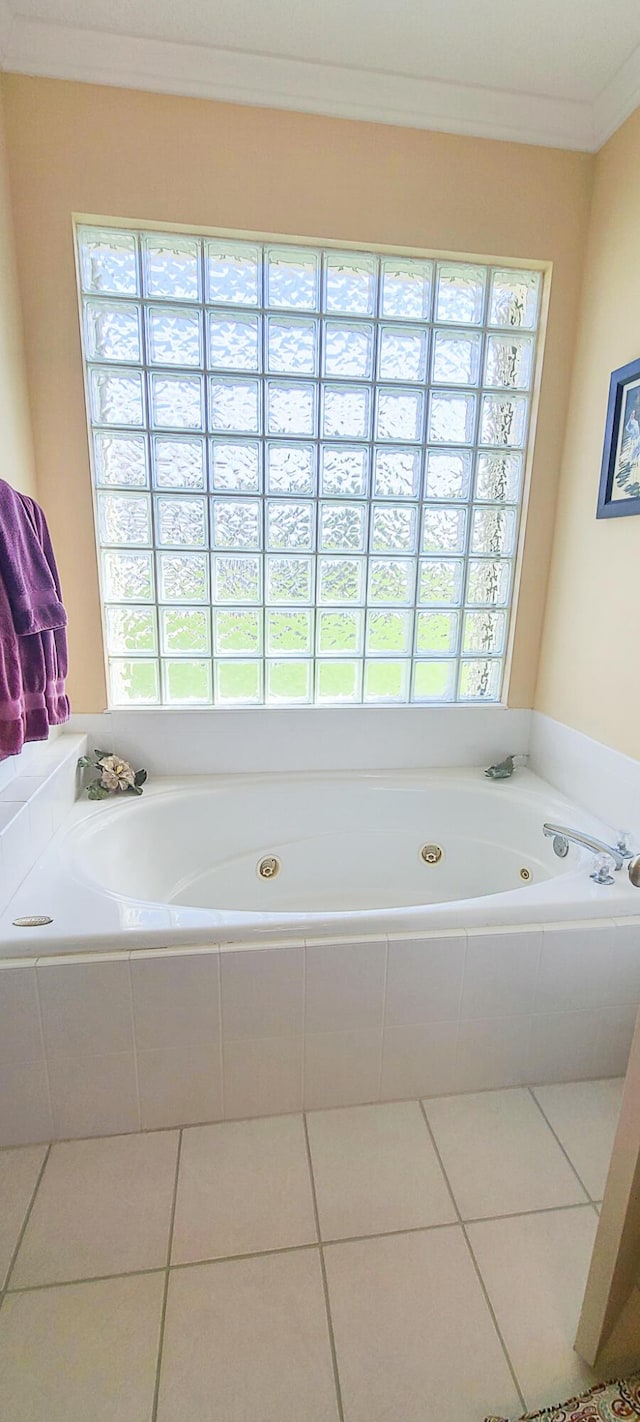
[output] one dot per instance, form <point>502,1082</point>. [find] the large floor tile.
<point>535,1269</point>
<point>375,1169</point>
<point>81,1351</point>
<point>499,1154</point>
<point>243,1187</point>
<point>247,1339</point>
<point>584,1115</point>
<point>19,1170</point>
<point>414,1336</point>
<point>103,1207</point>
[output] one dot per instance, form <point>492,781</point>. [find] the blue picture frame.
<point>619,492</point>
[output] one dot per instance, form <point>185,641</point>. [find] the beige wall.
<point>16,461</point>
<point>125,154</point>
<point>590,663</point>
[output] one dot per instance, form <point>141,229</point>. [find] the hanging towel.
<point>33,651</point>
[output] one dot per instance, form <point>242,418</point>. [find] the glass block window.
<point>308,468</point>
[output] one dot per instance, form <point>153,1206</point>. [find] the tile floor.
<point>390,1263</point>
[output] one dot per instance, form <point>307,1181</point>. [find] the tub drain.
<point>431,853</point>
<point>269,867</point>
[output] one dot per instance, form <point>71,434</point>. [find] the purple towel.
<point>33,642</point>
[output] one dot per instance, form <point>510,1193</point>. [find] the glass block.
<point>237,632</point>
<point>236,523</point>
<point>389,632</point>
<point>480,680</point>
<point>133,683</point>
<point>289,681</point>
<point>187,683</point>
<point>443,530</point>
<point>514,299</point>
<point>402,353</point>
<point>394,529</point>
<point>124,518</point>
<point>397,473</point>
<point>233,341</point>
<point>338,682</point>
<point>499,478</point>
<point>184,630</point>
<point>127,577</point>
<point>452,416</point>
<point>116,397</point>
<point>178,463</point>
<point>183,577</point>
<point>171,266</point>
<point>504,419</point>
<point>350,283</point>
<point>434,681</point>
<point>343,527</point>
<point>108,261</point>
<point>386,680</point>
<point>174,335</point>
<point>293,278</point>
<point>346,412</point>
<point>237,579</point>
<point>288,633</point>
<point>436,633</point>
<point>391,580</point>
<point>234,405</point>
<point>176,401</point>
<point>232,273</point>
<point>291,408</point>
<point>120,459</point>
<point>448,474</point>
<point>440,582</point>
<point>406,288</point>
<point>238,683</point>
<point>493,531</point>
<point>348,349</point>
<point>341,580</point>
<point>292,346</point>
<point>235,466</point>
<point>291,468</point>
<point>509,362</point>
<point>289,579</point>
<point>181,522</point>
<point>484,632</point>
<point>489,582</point>
<point>344,470</point>
<point>130,631</point>
<point>339,633</point>
<point>112,331</point>
<point>290,525</point>
<point>460,294</point>
<point>400,415</point>
<point>456,357</point>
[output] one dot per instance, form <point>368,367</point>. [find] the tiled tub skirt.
<point>96,1044</point>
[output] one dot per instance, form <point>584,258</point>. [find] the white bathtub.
<point>180,864</point>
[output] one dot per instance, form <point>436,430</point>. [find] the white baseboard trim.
<point>592,774</point>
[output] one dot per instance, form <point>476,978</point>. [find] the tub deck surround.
<point>179,865</point>
<point>107,1043</point>
<point>37,791</point>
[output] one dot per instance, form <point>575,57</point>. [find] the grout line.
<point>26,1219</point>
<point>383,1022</point>
<point>323,1271</point>
<point>43,1044</point>
<point>134,1041</point>
<point>92,1279</point>
<point>474,1262</point>
<point>163,1311</point>
<point>220,1047</point>
<point>554,1133</point>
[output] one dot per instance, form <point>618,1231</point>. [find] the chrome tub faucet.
<point>621,853</point>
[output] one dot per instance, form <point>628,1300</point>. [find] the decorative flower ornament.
<point>114,775</point>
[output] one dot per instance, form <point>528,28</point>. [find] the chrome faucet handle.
<point>624,843</point>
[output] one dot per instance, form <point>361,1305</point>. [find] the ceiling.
<point>562,73</point>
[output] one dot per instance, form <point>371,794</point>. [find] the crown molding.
<point>69,52</point>
<point>618,99</point>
